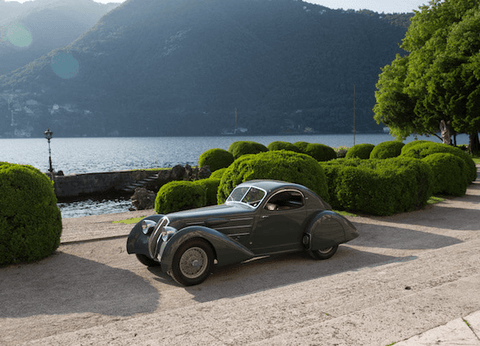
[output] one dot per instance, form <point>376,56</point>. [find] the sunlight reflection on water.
<point>90,207</point>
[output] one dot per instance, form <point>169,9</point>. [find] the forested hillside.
<point>51,24</point>
<point>182,67</point>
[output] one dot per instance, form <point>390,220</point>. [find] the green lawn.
<point>130,221</point>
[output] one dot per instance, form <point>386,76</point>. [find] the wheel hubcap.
<point>193,262</point>
<point>325,251</point>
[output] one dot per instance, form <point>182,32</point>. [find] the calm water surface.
<point>89,155</point>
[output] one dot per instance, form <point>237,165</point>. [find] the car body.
<point>260,217</point>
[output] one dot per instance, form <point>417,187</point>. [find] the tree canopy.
<point>437,85</point>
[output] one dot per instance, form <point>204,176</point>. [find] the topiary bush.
<point>30,221</point>
<point>422,149</point>
<point>240,148</point>
<point>279,145</point>
<point>378,187</point>
<point>278,165</point>
<point>386,150</point>
<point>411,144</point>
<point>211,188</point>
<point>218,173</point>
<point>320,152</point>
<point>450,175</point>
<point>361,151</point>
<point>215,158</point>
<point>301,146</point>
<point>179,195</point>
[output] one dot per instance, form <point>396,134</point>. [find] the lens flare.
<point>18,35</point>
<point>64,65</point>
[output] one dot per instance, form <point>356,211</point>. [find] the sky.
<point>387,6</point>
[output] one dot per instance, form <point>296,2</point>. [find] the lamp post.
<point>48,136</point>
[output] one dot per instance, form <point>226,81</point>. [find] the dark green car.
<point>260,217</point>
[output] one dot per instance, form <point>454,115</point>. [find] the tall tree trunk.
<point>446,132</point>
<point>473,143</point>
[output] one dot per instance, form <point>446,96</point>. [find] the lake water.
<point>89,155</point>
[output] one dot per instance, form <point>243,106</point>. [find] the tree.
<point>436,86</point>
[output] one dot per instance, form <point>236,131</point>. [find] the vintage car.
<point>260,217</point>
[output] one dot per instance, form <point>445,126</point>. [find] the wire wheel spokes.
<point>193,262</point>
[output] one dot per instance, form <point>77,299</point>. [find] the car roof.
<point>272,185</point>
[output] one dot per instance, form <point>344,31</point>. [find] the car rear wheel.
<point>324,253</point>
<point>147,260</point>
<point>192,262</point>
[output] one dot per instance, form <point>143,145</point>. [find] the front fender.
<point>226,250</point>
<point>137,241</point>
<point>329,229</point>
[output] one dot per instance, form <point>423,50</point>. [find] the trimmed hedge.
<point>361,151</point>
<point>279,145</point>
<point>411,144</point>
<point>386,150</point>
<point>422,149</point>
<point>450,174</point>
<point>320,152</point>
<point>218,174</point>
<point>179,195</point>
<point>211,187</point>
<point>278,165</point>
<point>30,221</point>
<point>378,187</point>
<point>215,158</point>
<point>302,146</point>
<point>240,148</point>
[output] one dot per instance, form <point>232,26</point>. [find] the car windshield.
<point>247,194</point>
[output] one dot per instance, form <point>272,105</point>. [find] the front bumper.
<point>145,241</point>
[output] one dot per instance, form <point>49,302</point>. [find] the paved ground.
<point>412,279</point>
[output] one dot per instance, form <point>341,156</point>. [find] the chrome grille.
<point>155,236</point>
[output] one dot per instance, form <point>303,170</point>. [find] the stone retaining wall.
<point>78,185</point>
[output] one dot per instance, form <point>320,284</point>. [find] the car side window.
<point>285,200</point>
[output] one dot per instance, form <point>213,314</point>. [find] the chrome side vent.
<point>155,236</point>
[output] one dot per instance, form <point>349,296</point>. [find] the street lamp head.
<point>48,134</point>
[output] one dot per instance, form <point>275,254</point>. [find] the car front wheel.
<point>324,253</point>
<point>192,263</point>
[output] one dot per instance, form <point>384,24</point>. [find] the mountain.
<point>184,67</point>
<point>34,28</point>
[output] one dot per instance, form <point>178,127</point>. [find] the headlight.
<point>167,233</point>
<point>148,226</point>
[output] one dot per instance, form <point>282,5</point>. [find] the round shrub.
<point>386,150</point>
<point>211,187</point>
<point>378,187</point>
<point>277,165</point>
<point>215,158</point>
<point>411,144</point>
<point>218,173</point>
<point>30,221</point>
<point>320,152</point>
<point>279,145</point>
<point>425,148</point>
<point>301,146</point>
<point>179,195</point>
<point>450,176</point>
<point>361,151</point>
<point>245,147</point>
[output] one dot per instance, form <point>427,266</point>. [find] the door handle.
<point>264,216</point>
